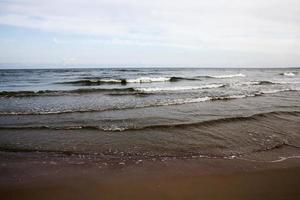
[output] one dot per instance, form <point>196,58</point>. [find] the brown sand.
<point>24,178</point>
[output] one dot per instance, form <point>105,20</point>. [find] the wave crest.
<point>228,76</point>
<point>91,81</point>
<point>288,74</point>
<point>180,88</point>
<point>61,92</point>
<point>168,102</point>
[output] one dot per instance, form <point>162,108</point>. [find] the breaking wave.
<point>60,92</point>
<point>129,90</point>
<point>148,79</point>
<point>288,74</point>
<point>159,89</point>
<point>226,76</point>
<point>168,102</point>
<point>92,82</point>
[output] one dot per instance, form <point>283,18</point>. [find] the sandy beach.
<point>150,134</point>
<point>24,176</point>
<point>149,100</point>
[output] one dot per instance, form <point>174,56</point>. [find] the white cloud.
<point>253,26</point>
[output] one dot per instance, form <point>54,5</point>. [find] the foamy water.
<point>150,112</point>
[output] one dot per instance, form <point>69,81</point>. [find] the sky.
<point>156,33</point>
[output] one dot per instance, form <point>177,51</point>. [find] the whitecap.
<point>160,89</point>
<point>114,128</point>
<point>184,101</point>
<point>148,79</point>
<point>288,74</point>
<point>229,76</point>
<point>108,80</point>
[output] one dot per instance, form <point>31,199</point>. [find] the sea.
<point>150,113</point>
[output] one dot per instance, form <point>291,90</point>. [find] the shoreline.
<point>169,134</point>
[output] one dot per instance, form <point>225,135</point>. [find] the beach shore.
<point>150,133</point>
<point>24,176</point>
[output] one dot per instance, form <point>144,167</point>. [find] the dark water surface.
<point>150,112</point>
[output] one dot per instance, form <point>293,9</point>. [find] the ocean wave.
<point>169,102</point>
<point>129,90</point>
<point>255,83</point>
<point>288,74</point>
<point>184,101</point>
<point>155,104</point>
<point>122,128</point>
<point>276,146</point>
<point>61,92</point>
<point>148,79</point>
<point>273,91</point>
<point>288,82</point>
<point>282,158</point>
<point>180,88</point>
<point>93,81</point>
<point>177,78</point>
<point>264,83</point>
<point>240,96</point>
<point>112,128</point>
<point>203,99</point>
<point>227,76</point>
<point>224,120</point>
<point>127,70</point>
<point>49,112</point>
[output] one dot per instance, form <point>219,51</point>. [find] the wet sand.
<point>27,176</point>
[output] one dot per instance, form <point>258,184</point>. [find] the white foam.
<point>114,128</point>
<point>229,76</point>
<point>273,91</point>
<point>289,74</point>
<point>159,89</point>
<point>201,99</point>
<point>184,101</point>
<point>148,79</point>
<point>284,158</point>
<point>110,80</point>
<point>234,97</point>
<point>196,100</point>
<point>245,83</point>
<point>137,80</point>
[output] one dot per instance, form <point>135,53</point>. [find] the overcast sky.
<point>186,33</point>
